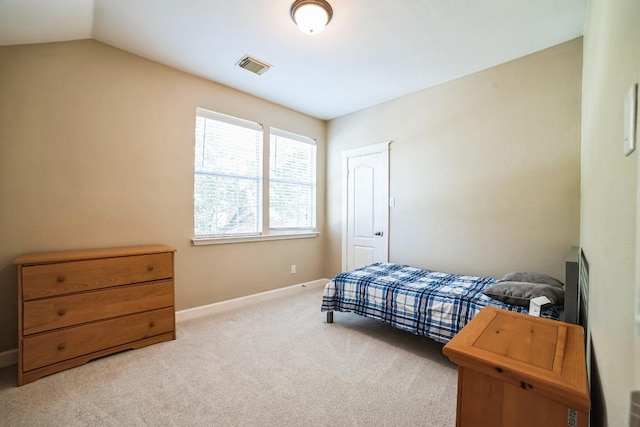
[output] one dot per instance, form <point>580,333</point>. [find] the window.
<point>231,194</point>
<point>227,176</point>
<point>292,182</point>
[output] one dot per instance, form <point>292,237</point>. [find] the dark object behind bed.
<point>576,304</point>
<point>571,291</point>
<point>577,311</point>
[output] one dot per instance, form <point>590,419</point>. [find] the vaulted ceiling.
<point>371,51</point>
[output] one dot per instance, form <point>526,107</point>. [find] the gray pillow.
<point>532,278</point>
<point>519,293</point>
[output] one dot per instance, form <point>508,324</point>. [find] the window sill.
<point>202,241</point>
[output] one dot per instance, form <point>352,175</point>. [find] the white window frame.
<point>305,140</point>
<point>266,234</point>
<point>257,180</point>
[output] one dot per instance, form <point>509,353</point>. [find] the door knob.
<point>378,233</point>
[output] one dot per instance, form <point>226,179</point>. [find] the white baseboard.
<point>218,307</point>
<point>8,358</point>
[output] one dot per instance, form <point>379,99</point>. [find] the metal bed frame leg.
<point>329,316</point>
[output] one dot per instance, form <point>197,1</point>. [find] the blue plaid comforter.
<point>423,302</point>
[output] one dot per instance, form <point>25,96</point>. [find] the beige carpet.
<point>271,364</point>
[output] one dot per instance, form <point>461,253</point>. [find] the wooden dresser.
<point>75,306</point>
<point>520,370</point>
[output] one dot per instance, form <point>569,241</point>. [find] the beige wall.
<point>609,188</point>
<point>485,169</point>
<point>96,150</point>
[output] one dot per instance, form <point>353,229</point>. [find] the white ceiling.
<point>372,51</point>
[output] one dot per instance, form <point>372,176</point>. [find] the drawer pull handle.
<point>60,279</point>
<point>150,268</point>
<point>62,346</point>
<point>152,324</point>
<point>62,311</point>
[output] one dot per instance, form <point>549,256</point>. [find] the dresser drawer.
<point>58,312</point>
<point>41,281</point>
<point>46,349</point>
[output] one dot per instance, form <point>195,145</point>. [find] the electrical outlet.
<point>293,269</point>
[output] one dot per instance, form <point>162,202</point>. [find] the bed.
<point>424,302</point>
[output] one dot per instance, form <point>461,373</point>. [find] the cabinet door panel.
<point>480,399</point>
<point>526,408</point>
<point>485,401</point>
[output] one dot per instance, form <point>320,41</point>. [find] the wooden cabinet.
<point>520,370</point>
<point>75,306</point>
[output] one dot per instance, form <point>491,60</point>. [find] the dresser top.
<point>541,353</point>
<point>87,254</point>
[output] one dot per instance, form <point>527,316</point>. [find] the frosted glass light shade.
<point>311,16</point>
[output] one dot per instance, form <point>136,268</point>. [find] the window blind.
<point>292,181</point>
<point>227,176</point>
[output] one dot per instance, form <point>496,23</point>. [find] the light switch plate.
<point>630,119</point>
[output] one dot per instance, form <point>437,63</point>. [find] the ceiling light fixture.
<point>311,16</point>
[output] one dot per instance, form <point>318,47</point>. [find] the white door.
<point>365,226</point>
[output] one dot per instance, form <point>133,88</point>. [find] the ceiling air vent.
<point>254,65</point>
